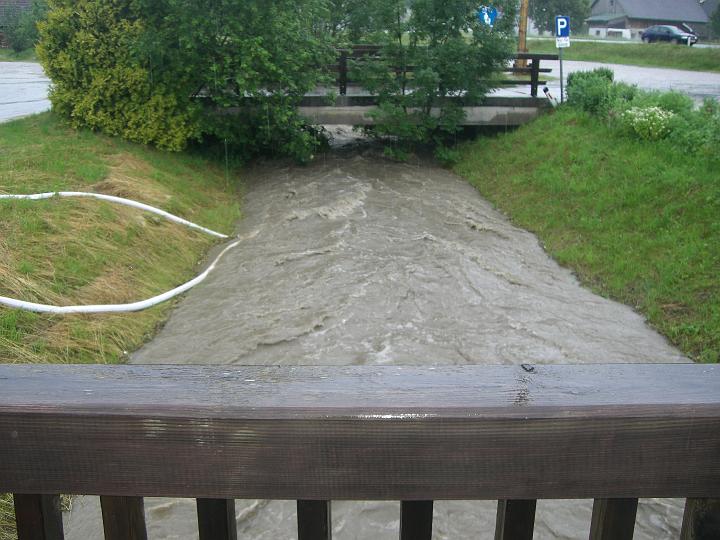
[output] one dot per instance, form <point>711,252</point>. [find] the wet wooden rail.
<point>613,433</point>
<point>533,71</point>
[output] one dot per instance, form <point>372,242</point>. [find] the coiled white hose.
<point>116,308</point>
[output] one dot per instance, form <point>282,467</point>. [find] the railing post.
<point>416,518</point>
<point>515,520</point>
<point>314,520</point>
<point>701,520</point>
<point>216,519</point>
<point>123,518</point>
<point>613,519</point>
<point>534,76</point>
<point>38,517</point>
<point>343,65</point>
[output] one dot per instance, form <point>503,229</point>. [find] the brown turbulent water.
<point>358,260</point>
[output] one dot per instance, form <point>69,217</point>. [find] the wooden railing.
<point>357,52</point>
<point>612,433</point>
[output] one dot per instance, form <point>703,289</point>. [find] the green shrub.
<point>592,91</point>
<point>20,26</point>
<point>699,131</point>
<point>158,71</point>
<point>432,50</point>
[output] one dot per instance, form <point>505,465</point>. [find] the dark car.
<point>668,33</point>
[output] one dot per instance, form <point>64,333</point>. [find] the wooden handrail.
<point>360,51</point>
<point>512,433</point>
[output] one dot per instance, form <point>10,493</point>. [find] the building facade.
<point>627,18</point>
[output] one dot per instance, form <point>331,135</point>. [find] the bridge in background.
<point>352,105</point>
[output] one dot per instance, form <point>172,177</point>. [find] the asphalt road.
<point>697,84</point>
<point>24,86</point>
<point>23,90</point>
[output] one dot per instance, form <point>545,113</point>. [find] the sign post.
<point>562,40</point>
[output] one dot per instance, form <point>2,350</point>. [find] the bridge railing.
<point>613,433</point>
<point>533,70</point>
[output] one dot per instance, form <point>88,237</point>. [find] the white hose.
<point>118,200</point>
<point>117,308</point>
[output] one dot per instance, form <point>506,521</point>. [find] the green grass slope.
<point>637,54</point>
<point>637,221</point>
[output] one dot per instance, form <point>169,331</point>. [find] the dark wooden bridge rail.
<point>360,51</point>
<point>615,433</point>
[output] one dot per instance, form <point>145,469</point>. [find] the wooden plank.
<point>536,56</point>
<point>362,433</point>
<point>613,519</point>
<point>314,520</point>
<point>702,520</point>
<point>38,517</point>
<point>216,519</point>
<point>515,520</point>
<point>416,520</point>
<point>123,518</point>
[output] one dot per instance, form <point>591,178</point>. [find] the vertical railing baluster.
<point>701,520</point>
<point>123,518</point>
<point>416,519</point>
<point>314,520</point>
<point>613,519</point>
<point>343,72</point>
<point>216,519</point>
<point>515,520</point>
<point>38,517</point>
<point>534,76</point>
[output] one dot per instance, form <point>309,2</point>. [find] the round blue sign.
<point>488,15</point>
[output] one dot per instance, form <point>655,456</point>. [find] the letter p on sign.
<point>562,27</point>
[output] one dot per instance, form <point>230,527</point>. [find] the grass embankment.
<point>637,54</point>
<point>8,55</point>
<point>637,221</point>
<point>70,251</point>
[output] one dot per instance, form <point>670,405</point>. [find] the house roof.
<point>665,10</point>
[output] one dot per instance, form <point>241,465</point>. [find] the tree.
<point>436,56</point>
<point>20,25</point>
<point>715,22</point>
<point>164,71</point>
<point>543,12</point>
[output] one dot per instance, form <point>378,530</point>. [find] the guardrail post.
<point>702,520</point>
<point>38,517</point>
<point>343,65</point>
<point>534,76</point>
<point>515,520</point>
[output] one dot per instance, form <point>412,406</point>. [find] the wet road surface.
<point>357,260</point>
<point>23,90</point>
<point>698,85</point>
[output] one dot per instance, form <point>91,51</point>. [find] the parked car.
<point>668,33</point>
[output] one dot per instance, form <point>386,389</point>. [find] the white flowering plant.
<point>650,123</point>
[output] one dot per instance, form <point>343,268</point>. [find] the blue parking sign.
<point>562,26</point>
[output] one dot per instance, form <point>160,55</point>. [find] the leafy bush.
<point>674,102</point>
<point>158,71</point>
<point>20,26</point>
<point>649,115</point>
<point>592,91</point>
<point>432,50</point>
<point>699,131</point>
<point>651,123</point>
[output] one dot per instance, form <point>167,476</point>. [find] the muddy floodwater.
<point>358,260</point>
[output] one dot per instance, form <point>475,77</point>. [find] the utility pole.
<point>522,33</point>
